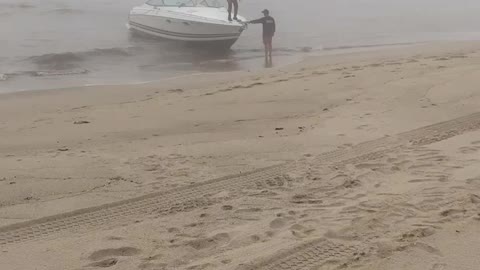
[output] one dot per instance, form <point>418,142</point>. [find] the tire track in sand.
<point>314,254</point>
<point>201,195</point>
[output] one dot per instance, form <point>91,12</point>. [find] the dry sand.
<point>364,161</point>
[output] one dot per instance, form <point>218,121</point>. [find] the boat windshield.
<point>172,3</point>
<point>184,3</point>
<point>210,3</point>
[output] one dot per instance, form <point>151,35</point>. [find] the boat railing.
<point>185,3</point>
<point>196,16</point>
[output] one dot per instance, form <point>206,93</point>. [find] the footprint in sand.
<point>270,234</point>
<point>422,180</point>
<point>220,239</point>
<point>114,238</point>
<point>475,199</point>
<point>416,234</point>
<point>403,164</point>
<point>453,213</point>
<point>173,230</point>
<point>435,158</point>
<point>153,257</point>
<point>469,150</point>
<point>248,210</point>
<point>255,238</point>
<point>300,231</point>
<point>420,166</point>
<point>278,223</point>
<point>473,181</point>
<point>153,266</point>
<point>176,90</point>
<point>362,127</point>
<point>370,166</point>
<point>305,199</point>
<point>393,63</point>
<point>114,252</point>
<point>426,247</point>
<point>202,266</point>
<point>375,65</point>
<point>438,266</point>
<point>105,263</point>
<point>351,183</point>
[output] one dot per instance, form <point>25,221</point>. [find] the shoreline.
<point>343,50</point>
<point>370,173</point>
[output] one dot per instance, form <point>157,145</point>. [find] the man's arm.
<point>257,21</point>
<point>274,26</point>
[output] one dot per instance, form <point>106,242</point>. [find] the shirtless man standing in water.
<point>234,4</point>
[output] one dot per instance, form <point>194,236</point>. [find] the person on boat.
<point>269,28</point>
<point>232,4</point>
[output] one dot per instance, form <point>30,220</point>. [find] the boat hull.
<point>194,30</point>
<point>217,45</point>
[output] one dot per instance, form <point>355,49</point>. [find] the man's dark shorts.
<point>267,39</point>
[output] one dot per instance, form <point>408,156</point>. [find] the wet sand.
<point>355,161</point>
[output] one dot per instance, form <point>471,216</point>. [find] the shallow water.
<point>58,43</point>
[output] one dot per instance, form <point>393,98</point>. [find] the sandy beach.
<point>362,160</point>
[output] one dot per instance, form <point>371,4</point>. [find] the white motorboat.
<point>201,22</point>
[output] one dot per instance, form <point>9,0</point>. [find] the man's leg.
<point>265,44</point>
<point>235,7</point>
<point>270,48</point>
<point>230,9</point>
